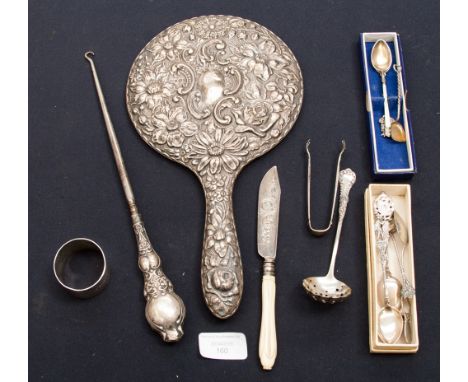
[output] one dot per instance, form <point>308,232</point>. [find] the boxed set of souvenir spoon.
<point>389,117</point>
<point>393,324</point>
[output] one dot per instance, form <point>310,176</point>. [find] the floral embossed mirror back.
<point>213,93</point>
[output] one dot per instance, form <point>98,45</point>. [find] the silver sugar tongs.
<point>322,231</point>
<point>165,310</point>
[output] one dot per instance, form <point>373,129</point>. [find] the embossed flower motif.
<point>282,89</point>
<point>184,152</point>
<point>156,283</point>
<point>211,27</point>
<point>254,143</point>
<point>152,89</point>
<point>224,150</point>
<point>220,234</point>
<point>168,46</point>
<point>241,35</point>
<point>160,283</point>
<point>220,196</point>
<point>262,59</point>
<point>222,281</point>
<point>257,114</point>
<point>212,259</point>
<point>214,182</point>
<point>172,127</point>
<point>180,153</point>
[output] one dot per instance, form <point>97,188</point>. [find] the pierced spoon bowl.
<point>327,290</point>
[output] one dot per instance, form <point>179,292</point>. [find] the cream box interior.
<point>401,197</point>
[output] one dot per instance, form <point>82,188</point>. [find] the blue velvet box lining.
<point>389,158</point>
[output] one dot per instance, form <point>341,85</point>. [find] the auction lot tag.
<point>223,345</point>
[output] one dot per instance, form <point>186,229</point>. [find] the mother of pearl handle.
<point>267,348</point>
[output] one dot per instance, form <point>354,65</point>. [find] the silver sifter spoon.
<point>328,289</point>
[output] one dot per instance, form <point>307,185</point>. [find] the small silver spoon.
<point>328,289</point>
<point>390,318</point>
<point>390,324</point>
<point>391,321</point>
<point>381,58</point>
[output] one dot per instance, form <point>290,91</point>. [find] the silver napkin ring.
<point>63,256</point>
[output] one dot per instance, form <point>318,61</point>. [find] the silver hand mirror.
<point>213,93</point>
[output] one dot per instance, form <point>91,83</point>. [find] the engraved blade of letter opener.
<point>213,93</point>
<point>267,238</point>
<point>165,310</point>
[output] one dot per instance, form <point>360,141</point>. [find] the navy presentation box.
<point>390,159</point>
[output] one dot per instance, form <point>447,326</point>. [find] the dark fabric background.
<point>74,190</point>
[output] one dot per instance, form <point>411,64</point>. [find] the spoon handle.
<point>387,119</point>
<point>407,330</point>
<point>165,310</point>
<point>347,179</point>
<point>382,236</point>
<point>408,290</point>
<point>221,268</point>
